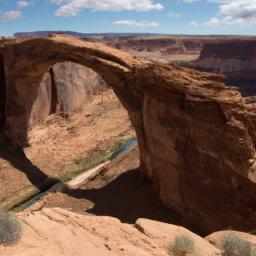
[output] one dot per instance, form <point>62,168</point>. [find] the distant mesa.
<point>73,33</point>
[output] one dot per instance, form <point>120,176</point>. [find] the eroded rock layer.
<point>196,136</point>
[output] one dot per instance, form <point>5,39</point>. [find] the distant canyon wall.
<point>174,46</point>
<point>164,44</point>
<point>66,87</point>
<point>234,59</point>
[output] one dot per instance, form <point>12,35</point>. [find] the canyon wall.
<point>155,44</point>
<point>168,45</point>
<point>163,44</point>
<point>66,87</point>
<point>196,136</point>
<point>175,45</point>
<point>236,59</point>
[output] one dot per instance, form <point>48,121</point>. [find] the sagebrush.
<point>182,246</point>
<point>235,246</point>
<point>10,229</point>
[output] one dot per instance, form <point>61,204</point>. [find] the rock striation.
<point>196,136</point>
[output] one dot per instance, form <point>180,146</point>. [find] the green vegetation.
<point>235,246</point>
<point>18,197</point>
<point>182,246</point>
<point>10,229</point>
<point>84,164</point>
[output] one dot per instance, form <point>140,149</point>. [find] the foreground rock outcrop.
<point>236,59</point>
<point>196,136</point>
<point>56,232</point>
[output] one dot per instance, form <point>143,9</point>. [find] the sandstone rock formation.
<point>196,136</point>
<point>236,59</point>
<point>66,87</point>
<point>56,232</point>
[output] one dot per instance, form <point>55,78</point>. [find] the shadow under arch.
<point>19,160</point>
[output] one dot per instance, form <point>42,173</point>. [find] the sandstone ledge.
<point>57,232</point>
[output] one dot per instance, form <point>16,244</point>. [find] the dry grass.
<point>182,246</point>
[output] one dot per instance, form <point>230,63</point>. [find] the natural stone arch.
<point>26,63</point>
<point>196,136</point>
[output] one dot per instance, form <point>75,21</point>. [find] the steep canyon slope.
<point>196,136</point>
<point>236,59</point>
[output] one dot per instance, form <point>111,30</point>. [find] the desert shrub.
<point>182,246</point>
<point>253,251</point>
<point>10,229</point>
<point>235,246</point>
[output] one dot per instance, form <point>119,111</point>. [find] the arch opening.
<point>77,114</point>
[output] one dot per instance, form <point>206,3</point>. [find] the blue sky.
<point>156,16</point>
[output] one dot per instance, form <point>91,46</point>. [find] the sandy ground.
<point>58,141</point>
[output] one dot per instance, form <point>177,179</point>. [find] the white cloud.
<point>175,14</point>
<point>190,1</point>
<point>136,24</point>
<point>194,24</point>
<point>213,22</point>
<point>232,12</point>
<point>10,16</point>
<point>238,12</point>
<point>23,4</point>
<point>74,7</point>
